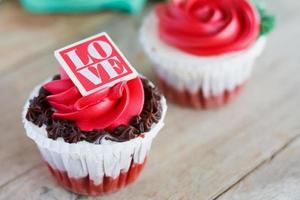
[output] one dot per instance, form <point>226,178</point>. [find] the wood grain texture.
<point>277,179</point>
<point>198,154</point>
<point>24,36</point>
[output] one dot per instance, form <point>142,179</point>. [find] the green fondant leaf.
<point>267,20</point>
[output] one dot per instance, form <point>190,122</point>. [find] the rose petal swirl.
<point>107,108</point>
<point>208,27</point>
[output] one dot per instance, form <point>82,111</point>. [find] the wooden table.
<point>248,150</point>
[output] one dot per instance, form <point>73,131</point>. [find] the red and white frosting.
<point>208,27</point>
<point>107,108</point>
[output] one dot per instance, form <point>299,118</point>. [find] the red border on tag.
<point>81,70</point>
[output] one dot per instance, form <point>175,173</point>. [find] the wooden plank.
<point>39,189</point>
<point>276,180</point>
<point>24,36</point>
<point>199,157</point>
<point>206,153</point>
<point>217,159</point>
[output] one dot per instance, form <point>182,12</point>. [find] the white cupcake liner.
<point>212,74</point>
<point>95,160</point>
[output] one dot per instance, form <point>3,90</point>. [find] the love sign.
<point>95,63</point>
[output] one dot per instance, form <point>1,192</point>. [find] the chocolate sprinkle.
<point>123,133</point>
<point>40,113</point>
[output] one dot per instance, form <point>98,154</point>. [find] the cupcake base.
<point>196,99</point>
<point>86,186</point>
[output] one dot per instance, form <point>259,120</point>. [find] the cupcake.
<point>97,143</point>
<point>203,51</point>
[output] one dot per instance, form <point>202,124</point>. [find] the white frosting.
<point>96,160</point>
<point>212,74</point>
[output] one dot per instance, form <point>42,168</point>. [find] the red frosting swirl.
<point>208,27</point>
<point>107,108</point>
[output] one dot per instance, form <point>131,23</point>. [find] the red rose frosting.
<point>107,108</point>
<point>208,27</point>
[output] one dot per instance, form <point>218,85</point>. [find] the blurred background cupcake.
<point>203,51</point>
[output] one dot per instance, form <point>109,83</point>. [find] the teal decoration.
<point>267,20</point>
<point>77,6</point>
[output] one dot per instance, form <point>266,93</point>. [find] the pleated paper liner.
<point>197,99</point>
<point>86,186</point>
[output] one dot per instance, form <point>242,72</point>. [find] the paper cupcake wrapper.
<point>196,99</point>
<point>95,161</point>
<point>85,186</point>
<point>212,75</point>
